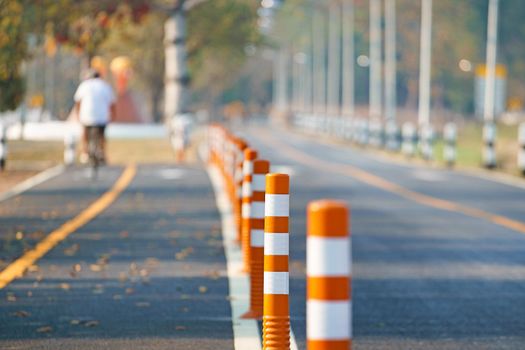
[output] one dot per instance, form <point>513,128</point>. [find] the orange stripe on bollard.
<point>256,238</point>
<point>328,269</point>
<point>247,170</point>
<point>276,308</point>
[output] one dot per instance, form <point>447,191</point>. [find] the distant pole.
<point>282,81</point>
<point>489,155</point>
<point>390,61</point>
<point>334,56</point>
<point>176,72</point>
<point>424,63</point>
<point>319,64</point>
<point>348,58</point>
<point>375,59</point>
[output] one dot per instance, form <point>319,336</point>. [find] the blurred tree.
<point>218,33</point>
<point>13,50</point>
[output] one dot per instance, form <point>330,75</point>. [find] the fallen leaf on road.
<point>19,235</point>
<point>130,291</point>
<point>72,250</point>
<point>122,277</point>
<point>45,329</point>
<point>11,297</point>
<point>203,289</point>
<point>21,313</point>
<point>33,268</point>
<point>90,324</point>
<point>150,262</point>
<point>65,286</point>
<point>95,268</point>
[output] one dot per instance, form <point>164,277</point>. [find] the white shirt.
<point>95,97</point>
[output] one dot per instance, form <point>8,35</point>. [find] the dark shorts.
<point>100,129</point>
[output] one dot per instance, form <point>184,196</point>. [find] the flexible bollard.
<point>489,140</point>
<point>69,149</point>
<point>276,308</point>
<point>240,146</point>
<point>260,169</point>
<point>427,141</point>
<point>3,147</point>
<point>392,135</point>
<point>449,149</point>
<point>247,170</point>
<point>328,269</point>
<point>521,152</point>
<point>409,139</point>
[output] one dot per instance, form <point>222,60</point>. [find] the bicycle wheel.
<point>93,150</point>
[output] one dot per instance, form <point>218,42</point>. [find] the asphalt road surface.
<point>424,277</point>
<point>148,273</point>
<point>438,256</point>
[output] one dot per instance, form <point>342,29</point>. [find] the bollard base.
<point>276,333</point>
<point>252,315</point>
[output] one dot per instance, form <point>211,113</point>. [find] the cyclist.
<point>95,106</point>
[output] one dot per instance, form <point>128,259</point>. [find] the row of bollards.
<point>407,139</point>
<point>387,135</point>
<point>263,233</point>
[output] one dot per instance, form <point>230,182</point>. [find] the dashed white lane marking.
<point>245,332</point>
<point>32,182</point>
<point>172,174</point>
<point>428,175</point>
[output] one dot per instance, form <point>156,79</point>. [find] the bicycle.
<point>95,153</point>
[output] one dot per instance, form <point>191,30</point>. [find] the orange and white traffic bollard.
<point>247,171</point>
<point>328,270</point>
<point>276,308</point>
<point>256,238</point>
<point>240,146</point>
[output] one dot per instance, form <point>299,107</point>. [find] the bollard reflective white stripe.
<point>257,238</point>
<point>246,210</point>
<point>328,320</point>
<point>247,168</point>
<point>259,182</point>
<point>257,210</point>
<point>324,256</point>
<point>450,136</point>
<point>276,244</point>
<point>276,283</point>
<point>277,205</point>
<point>489,139</point>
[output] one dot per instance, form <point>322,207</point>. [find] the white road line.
<point>245,332</point>
<point>32,182</point>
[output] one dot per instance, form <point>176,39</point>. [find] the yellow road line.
<point>379,182</point>
<point>16,268</point>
